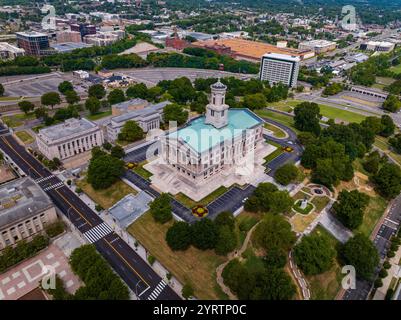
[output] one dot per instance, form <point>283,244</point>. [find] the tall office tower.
<point>280,68</point>
<point>34,43</point>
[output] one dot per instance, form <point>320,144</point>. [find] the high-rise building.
<point>34,43</point>
<point>280,68</point>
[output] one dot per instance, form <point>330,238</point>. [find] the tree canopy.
<point>160,208</point>
<point>307,117</point>
<point>314,254</point>
<point>104,170</point>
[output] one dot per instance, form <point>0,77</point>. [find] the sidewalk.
<point>131,241</point>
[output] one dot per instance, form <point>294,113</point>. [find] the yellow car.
<point>288,149</point>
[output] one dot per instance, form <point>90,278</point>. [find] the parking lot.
<point>37,85</point>
<point>153,76</point>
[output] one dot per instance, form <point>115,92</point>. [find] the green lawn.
<point>106,197</point>
<point>25,137</point>
<point>374,211</point>
<point>192,266</point>
<point>297,207</point>
<point>320,203</point>
<point>281,118</point>
<point>396,69</point>
<point>335,113</point>
<point>275,153</point>
<point>17,120</point>
<point>325,286</point>
<point>189,203</point>
<point>382,144</point>
<point>277,132</point>
<point>139,169</point>
<point>99,115</point>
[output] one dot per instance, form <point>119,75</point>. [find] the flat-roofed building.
<point>9,52</point>
<point>104,38</point>
<point>318,46</point>
<point>70,138</point>
<point>68,36</point>
<point>25,211</point>
<point>378,46</point>
<point>147,118</point>
<point>280,68</point>
<point>69,46</point>
<point>253,51</point>
<point>127,106</point>
<point>34,43</point>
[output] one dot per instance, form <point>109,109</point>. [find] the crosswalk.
<point>40,180</point>
<point>98,232</point>
<point>54,186</point>
<point>159,288</point>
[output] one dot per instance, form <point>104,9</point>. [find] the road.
<point>384,231</point>
<point>138,275</point>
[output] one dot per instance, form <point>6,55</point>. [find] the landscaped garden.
<point>193,266</point>
<point>302,210</point>
<point>189,203</point>
<point>25,137</point>
<point>106,197</point>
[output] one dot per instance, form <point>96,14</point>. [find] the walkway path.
<point>232,256</point>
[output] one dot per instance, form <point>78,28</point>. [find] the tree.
<point>314,254</point>
<point>274,232</point>
<point>116,96</point>
<point>274,284</point>
<point>178,236</point>
<point>388,126</point>
<point>160,209</point>
<point>267,198</point>
<point>26,106</point>
<point>72,97</point>
<point>187,291</point>
<point>395,142</point>
<point>1,90</point>
<point>361,253</point>
<point>204,234</point>
<point>97,91</point>
<point>50,99</point>
<point>175,112</point>
<point>40,112</point>
<point>227,240</point>
<point>372,162</point>
<point>275,257</point>
<point>392,104</point>
<point>65,87</point>
<point>225,218</point>
<point>307,117</point>
<point>117,152</point>
<point>93,105</point>
<point>104,171</point>
<point>350,207</point>
<point>286,174</point>
<point>137,91</point>
<point>130,132</point>
<point>388,180</point>
<point>255,101</point>
<point>333,88</point>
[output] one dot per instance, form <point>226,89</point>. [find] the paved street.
<point>138,275</point>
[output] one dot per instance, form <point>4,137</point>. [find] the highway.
<point>137,274</point>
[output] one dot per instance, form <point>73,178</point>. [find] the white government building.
<point>70,138</point>
<point>213,143</point>
<point>280,68</point>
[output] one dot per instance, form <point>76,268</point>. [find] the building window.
<point>212,113</point>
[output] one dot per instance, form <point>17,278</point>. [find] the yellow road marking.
<point>76,210</point>
<point>73,207</point>
<point>126,262</point>
<point>40,176</point>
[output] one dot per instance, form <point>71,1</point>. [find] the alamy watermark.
<point>49,20</point>
<point>348,22</point>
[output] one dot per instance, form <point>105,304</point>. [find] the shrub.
<point>378,283</point>
<point>386,265</point>
<point>55,229</point>
<point>383,273</point>
<point>151,260</point>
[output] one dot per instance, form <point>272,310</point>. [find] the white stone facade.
<point>73,137</point>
